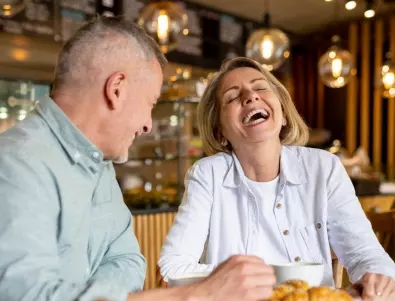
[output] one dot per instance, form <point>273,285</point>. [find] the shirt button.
<point>278,206</point>
<point>96,155</point>
<point>319,226</point>
<point>297,259</point>
<point>285,232</point>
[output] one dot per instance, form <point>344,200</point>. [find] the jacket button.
<point>319,226</point>
<point>278,206</point>
<point>285,232</point>
<point>297,258</point>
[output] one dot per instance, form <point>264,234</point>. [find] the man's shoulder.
<point>29,137</point>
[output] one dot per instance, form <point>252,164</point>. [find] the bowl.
<point>186,279</point>
<point>312,273</point>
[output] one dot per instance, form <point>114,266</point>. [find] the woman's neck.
<point>260,162</point>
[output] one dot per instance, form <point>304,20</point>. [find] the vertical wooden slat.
<point>151,260</point>
<point>377,99</point>
<point>351,120</point>
<point>320,101</point>
<point>391,112</point>
<point>310,90</point>
<point>365,85</point>
<point>145,244</point>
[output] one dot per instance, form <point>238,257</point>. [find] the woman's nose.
<point>250,97</point>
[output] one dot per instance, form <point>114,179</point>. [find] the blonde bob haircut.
<point>295,132</point>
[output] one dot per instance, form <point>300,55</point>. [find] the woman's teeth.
<point>263,115</point>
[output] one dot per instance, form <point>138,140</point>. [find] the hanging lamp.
<point>268,46</point>
<point>165,21</point>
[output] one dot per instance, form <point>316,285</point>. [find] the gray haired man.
<point>65,232</point>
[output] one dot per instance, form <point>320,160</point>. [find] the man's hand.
<point>244,278</point>
<point>375,287</point>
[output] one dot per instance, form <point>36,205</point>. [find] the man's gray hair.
<point>103,42</point>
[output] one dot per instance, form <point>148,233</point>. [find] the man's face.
<point>138,97</point>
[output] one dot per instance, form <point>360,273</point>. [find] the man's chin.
<point>120,160</point>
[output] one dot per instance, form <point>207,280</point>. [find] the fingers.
<point>260,293</point>
<point>381,286</point>
<point>369,289</point>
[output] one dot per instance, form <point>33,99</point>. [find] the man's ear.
<point>113,89</point>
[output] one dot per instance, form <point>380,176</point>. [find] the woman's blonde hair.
<point>295,132</point>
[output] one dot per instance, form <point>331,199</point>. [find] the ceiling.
<point>296,16</point>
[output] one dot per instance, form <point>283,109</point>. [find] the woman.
<point>262,193</point>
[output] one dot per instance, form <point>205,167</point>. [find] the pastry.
<point>298,284</point>
<point>281,291</point>
<point>321,293</point>
<point>297,295</point>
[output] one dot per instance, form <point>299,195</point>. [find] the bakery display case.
<point>154,175</point>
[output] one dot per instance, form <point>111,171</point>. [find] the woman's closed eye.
<point>232,97</point>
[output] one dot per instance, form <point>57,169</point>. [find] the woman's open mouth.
<point>255,117</point>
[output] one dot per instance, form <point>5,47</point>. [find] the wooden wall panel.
<point>151,231</point>
<point>377,98</point>
<point>365,85</point>
<point>351,118</point>
<point>391,113</point>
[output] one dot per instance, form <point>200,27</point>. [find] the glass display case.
<point>17,99</point>
<point>154,175</point>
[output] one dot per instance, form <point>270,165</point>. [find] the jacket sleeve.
<point>350,232</point>
<point>29,262</point>
<point>185,242</point>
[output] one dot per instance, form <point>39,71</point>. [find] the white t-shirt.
<point>268,241</point>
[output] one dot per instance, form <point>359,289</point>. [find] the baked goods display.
<point>299,290</point>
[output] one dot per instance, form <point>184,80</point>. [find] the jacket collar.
<point>291,169</point>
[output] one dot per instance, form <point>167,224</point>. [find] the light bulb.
<point>388,80</point>
<point>267,48</point>
<point>337,66</point>
<point>351,4</point>
<point>369,13</point>
<point>163,27</point>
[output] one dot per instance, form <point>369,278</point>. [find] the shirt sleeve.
<point>123,263</point>
<point>350,233</point>
<point>29,262</point>
<point>185,242</point>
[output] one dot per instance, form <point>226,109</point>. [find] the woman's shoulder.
<point>314,158</point>
<point>217,160</point>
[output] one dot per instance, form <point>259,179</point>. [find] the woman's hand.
<point>376,287</point>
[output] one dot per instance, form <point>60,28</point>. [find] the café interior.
<point>335,57</point>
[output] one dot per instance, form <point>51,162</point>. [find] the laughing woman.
<point>260,192</point>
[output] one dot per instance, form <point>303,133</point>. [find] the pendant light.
<point>165,21</point>
<point>268,46</point>
<point>388,78</point>
<point>336,65</point>
<point>10,8</point>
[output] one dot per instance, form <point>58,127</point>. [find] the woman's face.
<point>250,110</point>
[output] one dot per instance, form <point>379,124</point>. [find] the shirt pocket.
<point>311,235</point>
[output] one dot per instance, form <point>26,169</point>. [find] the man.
<point>65,232</point>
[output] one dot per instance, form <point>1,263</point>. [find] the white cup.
<point>312,273</point>
<point>185,279</point>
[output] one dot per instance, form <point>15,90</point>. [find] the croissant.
<point>299,290</point>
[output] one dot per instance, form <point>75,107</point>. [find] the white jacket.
<point>319,208</point>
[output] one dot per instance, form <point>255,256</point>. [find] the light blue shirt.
<point>65,232</point>
<point>315,209</point>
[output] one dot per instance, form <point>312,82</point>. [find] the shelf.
<point>183,100</point>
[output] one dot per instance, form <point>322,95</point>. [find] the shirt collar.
<point>291,169</point>
<point>74,142</point>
